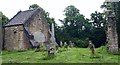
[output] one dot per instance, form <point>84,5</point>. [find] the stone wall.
<point>14,38</point>
<point>39,23</point>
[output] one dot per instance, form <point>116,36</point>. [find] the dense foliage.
<point>78,29</point>
<point>4,19</point>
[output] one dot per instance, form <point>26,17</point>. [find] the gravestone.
<point>71,44</point>
<point>53,41</point>
<point>92,47</point>
<point>47,47</point>
<point>61,43</point>
<point>50,49</point>
<point>65,45</point>
<point>53,35</point>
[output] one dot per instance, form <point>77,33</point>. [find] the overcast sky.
<point>54,7</point>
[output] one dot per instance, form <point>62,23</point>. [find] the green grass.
<point>70,55</point>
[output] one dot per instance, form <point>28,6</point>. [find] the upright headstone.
<point>71,44</point>
<point>47,47</point>
<point>65,45</point>
<point>61,43</point>
<point>92,47</point>
<point>53,41</point>
<point>53,32</point>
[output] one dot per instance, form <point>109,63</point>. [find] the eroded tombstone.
<point>52,32</point>
<point>61,43</point>
<point>65,45</point>
<point>71,44</point>
<point>52,38</point>
<point>47,47</point>
<point>50,49</point>
<point>92,48</point>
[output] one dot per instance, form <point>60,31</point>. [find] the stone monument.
<point>112,37</point>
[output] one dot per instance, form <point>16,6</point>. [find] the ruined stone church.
<point>27,29</point>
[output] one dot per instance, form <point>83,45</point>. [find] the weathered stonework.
<point>38,23</point>
<point>14,38</point>
<point>112,36</point>
<point>18,33</point>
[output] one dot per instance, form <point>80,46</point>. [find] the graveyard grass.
<point>63,55</point>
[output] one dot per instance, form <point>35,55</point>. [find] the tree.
<point>74,25</point>
<point>33,6</point>
<point>98,19</point>
<point>98,35</point>
<point>4,19</point>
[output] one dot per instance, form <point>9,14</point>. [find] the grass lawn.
<point>63,55</point>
